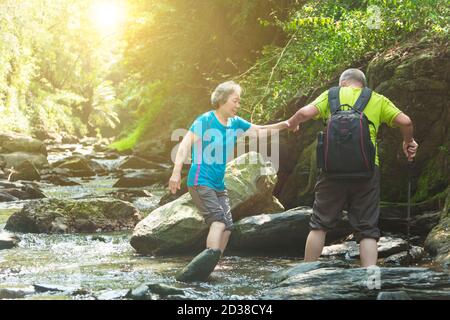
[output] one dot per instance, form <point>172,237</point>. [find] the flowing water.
<point>89,266</point>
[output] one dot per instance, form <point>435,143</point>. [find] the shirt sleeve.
<point>388,112</point>
<point>198,126</point>
<point>321,103</point>
<point>242,124</point>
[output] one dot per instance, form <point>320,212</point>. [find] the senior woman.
<point>213,136</point>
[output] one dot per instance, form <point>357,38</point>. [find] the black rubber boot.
<point>201,266</point>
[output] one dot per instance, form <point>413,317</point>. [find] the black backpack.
<point>344,149</point>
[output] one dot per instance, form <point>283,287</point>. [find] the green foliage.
<point>326,37</point>
<point>147,102</point>
<point>53,68</point>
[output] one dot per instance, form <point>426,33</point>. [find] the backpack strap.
<point>333,99</point>
<point>363,99</point>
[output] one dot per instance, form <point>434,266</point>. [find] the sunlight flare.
<point>107,16</point>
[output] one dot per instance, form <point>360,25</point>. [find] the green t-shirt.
<point>379,109</point>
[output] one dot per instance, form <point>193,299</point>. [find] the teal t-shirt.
<point>213,149</point>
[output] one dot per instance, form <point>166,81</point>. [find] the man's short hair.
<point>355,75</point>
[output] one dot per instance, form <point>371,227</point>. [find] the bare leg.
<point>214,240</point>
<point>368,250</point>
<point>314,245</point>
<point>225,237</point>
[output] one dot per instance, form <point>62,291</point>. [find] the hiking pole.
<point>408,215</point>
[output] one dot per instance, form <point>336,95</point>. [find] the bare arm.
<point>182,153</point>
<point>406,127</point>
<point>256,130</point>
<point>302,115</point>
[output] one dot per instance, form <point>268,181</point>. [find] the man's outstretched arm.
<point>302,115</point>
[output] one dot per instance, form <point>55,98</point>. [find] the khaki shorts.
<point>213,205</point>
<point>361,197</point>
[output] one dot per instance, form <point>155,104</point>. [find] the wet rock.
<point>386,247</point>
<point>279,234</point>
<point>15,293</point>
<point>43,287</point>
<point>393,295</point>
<point>129,194</point>
<point>74,216</point>
<point>142,178</point>
<point>200,267</point>
<point>6,197</point>
<point>179,227</point>
<point>8,240</point>
<point>140,293</point>
<point>13,142</point>
<point>25,171</point>
<point>15,159</point>
<point>362,283</point>
<point>304,267</point>
<point>402,259</point>
<point>99,238</point>
<point>26,192</point>
<point>134,162</point>
<point>61,181</point>
<point>113,295</point>
<point>394,220</point>
<point>7,184</point>
<point>438,240</point>
<point>79,166</point>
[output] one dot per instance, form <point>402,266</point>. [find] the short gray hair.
<point>223,91</point>
<point>353,75</point>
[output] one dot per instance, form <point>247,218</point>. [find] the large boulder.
<point>25,171</point>
<point>438,241</point>
<point>335,282</point>
<point>14,142</point>
<point>15,159</point>
<point>74,216</point>
<point>179,227</point>
<point>278,234</point>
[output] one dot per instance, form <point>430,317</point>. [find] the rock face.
<point>178,226</point>
<point>83,216</point>
<point>438,241</point>
<point>316,280</point>
<point>278,234</point>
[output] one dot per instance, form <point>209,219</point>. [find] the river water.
<point>104,266</point>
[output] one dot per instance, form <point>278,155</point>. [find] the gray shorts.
<point>360,197</point>
<point>213,205</point>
